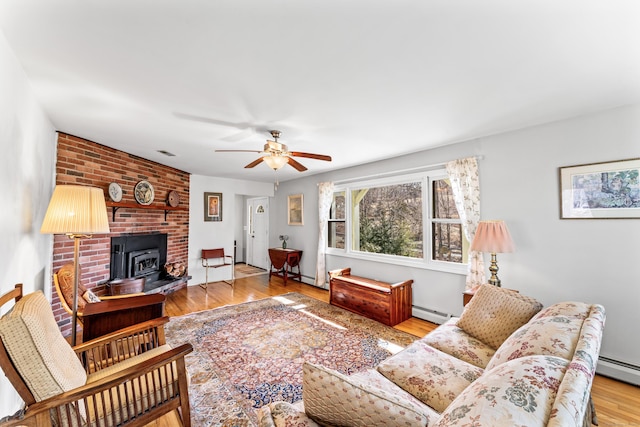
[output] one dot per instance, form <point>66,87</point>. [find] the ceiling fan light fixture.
<point>275,162</point>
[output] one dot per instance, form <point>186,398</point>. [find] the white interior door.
<point>258,232</point>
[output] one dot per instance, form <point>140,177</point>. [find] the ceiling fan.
<point>276,155</point>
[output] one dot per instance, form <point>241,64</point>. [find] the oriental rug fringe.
<point>250,354</point>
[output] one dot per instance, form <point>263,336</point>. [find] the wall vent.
<point>621,371</point>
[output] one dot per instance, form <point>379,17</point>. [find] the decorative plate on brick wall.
<point>115,192</point>
<point>173,199</point>
<point>144,193</point>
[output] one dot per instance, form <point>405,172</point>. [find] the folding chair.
<point>215,258</point>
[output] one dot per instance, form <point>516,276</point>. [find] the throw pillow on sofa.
<point>551,336</point>
<point>364,399</point>
<point>430,375</point>
<point>520,392</point>
<point>495,313</point>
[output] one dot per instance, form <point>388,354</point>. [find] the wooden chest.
<point>385,302</point>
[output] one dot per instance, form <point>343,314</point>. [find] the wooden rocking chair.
<point>127,378</point>
<point>109,313</point>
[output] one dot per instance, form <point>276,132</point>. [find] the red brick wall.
<point>84,162</point>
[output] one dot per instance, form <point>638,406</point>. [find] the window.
<point>337,221</point>
<point>448,240</point>
<point>388,219</point>
<point>408,220</point>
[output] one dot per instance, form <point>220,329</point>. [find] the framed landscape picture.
<point>600,190</point>
<point>213,206</point>
<point>295,209</point>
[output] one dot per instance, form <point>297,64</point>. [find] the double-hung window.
<point>408,220</point>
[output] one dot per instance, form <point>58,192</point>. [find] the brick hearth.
<point>83,162</point>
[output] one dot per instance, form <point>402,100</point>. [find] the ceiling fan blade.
<point>226,123</point>
<point>247,128</point>
<point>298,166</point>
<point>255,163</point>
<point>239,136</point>
<point>238,151</point>
<point>311,156</point>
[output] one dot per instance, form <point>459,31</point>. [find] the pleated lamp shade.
<point>492,236</point>
<point>76,209</point>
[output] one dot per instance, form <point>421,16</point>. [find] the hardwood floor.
<point>617,403</point>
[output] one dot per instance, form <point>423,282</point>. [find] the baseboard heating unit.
<point>618,370</point>
<point>430,315</point>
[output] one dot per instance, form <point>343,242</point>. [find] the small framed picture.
<point>295,210</point>
<point>213,206</point>
<point>600,190</point>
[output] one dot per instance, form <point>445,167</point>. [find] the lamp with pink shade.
<point>493,237</point>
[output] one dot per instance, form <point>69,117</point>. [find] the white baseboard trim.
<point>430,315</point>
<point>621,371</point>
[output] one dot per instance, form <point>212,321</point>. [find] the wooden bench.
<point>385,302</point>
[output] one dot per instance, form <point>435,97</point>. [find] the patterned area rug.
<point>250,354</point>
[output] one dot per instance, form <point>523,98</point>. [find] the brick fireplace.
<point>84,162</point>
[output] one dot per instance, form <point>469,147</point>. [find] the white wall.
<point>239,229</point>
<point>28,143</point>
<point>555,260</point>
<point>208,235</point>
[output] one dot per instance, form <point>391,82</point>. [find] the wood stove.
<point>139,255</point>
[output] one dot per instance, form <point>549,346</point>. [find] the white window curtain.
<point>465,184</point>
<point>325,197</point>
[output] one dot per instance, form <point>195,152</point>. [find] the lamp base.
<point>494,271</point>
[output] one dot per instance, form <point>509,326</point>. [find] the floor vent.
<point>619,370</point>
<point>430,315</point>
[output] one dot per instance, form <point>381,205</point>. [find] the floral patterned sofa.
<point>504,362</point>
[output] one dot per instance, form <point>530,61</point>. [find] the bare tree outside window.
<point>447,235</point>
<point>389,220</point>
<point>390,217</point>
<point>337,228</point>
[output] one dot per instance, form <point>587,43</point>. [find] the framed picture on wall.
<point>600,190</point>
<point>213,206</point>
<point>295,209</point>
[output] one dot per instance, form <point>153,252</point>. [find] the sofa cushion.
<point>364,399</point>
<point>550,336</point>
<point>428,374</point>
<point>578,310</point>
<point>520,392</point>
<point>451,339</point>
<point>44,359</point>
<point>495,313</point>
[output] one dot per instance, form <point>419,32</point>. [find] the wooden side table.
<point>283,262</point>
<point>466,296</point>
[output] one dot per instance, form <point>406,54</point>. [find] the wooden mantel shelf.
<point>117,205</point>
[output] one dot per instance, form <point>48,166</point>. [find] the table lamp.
<point>493,237</point>
<point>78,212</point>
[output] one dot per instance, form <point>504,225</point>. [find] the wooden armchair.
<point>127,378</point>
<point>215,258</point>
<point>108,313</point>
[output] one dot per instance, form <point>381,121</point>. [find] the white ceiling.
<point>359,80</point>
